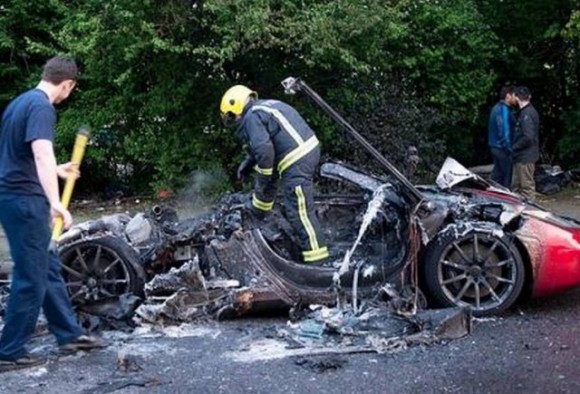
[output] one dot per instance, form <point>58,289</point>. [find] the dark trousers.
<point>36,280</point>
<point>502,167</point>
<point>299,203</point>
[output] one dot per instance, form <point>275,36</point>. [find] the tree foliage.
<point>404,71</point>
<point>23,25</point>
<point>539,48</point>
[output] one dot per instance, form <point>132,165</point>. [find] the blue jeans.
<point>36,280</point>
<point>502,167</point>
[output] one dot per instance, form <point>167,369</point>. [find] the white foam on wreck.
<point>149,350</point>
<point>369,271</point>
<point>35,372</point>
<point>189,330</point>
<point>184,330</point>
<point>371,213</point>
<point>272,349</point>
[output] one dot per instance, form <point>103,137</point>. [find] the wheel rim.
<point>94,272</point>
<point>478,270</point>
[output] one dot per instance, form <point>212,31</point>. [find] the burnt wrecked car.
<point>460,242</point>
<point>243,264</point>
<point>467,243</point>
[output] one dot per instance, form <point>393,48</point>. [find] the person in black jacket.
<point>280,144</point>
<point>526,145</point>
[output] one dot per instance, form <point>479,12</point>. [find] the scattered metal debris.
<point>219,264</point>
<point>330,332</point>
<point>127,362</point>
<point>321,364</point>
<point>377,329</point>
<point>114,313</point>
<point>5,278</point>
<point>122,383</point>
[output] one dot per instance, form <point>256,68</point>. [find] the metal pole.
<point>292,85</point>
<point>81,142</point>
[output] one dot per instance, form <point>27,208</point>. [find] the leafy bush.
<point>403,71</point>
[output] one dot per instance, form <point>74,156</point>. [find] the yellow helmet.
<point>234,101</point>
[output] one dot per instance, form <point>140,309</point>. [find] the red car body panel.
<point>552,244</point>
<point>554,253</point>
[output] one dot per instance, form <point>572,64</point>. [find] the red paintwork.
<point>556,251</point>
<point>552,244</point>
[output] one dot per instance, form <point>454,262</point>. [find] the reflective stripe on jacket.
<point>277,137</point>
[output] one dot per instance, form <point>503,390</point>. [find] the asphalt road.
<point>533,349</point>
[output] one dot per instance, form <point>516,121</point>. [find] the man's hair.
<point>506,90</point>
<point>60,68</point>
<point>523,93</point>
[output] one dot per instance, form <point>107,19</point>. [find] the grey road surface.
<point>533,349</point>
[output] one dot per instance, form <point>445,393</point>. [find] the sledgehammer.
<point>81,142</point>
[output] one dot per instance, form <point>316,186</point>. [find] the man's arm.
<point>263,151</point>
<point>46,169</point>
<point>261,146</point>
<point>506,128</point>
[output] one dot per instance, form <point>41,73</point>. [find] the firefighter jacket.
<point>277,137</point>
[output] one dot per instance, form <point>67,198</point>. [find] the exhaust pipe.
<point>157,210</point>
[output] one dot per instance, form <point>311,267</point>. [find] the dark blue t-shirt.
<point>28,117</point>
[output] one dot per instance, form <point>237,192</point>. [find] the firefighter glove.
<point>245,168</point>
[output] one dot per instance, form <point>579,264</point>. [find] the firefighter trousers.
<point>299,203</point>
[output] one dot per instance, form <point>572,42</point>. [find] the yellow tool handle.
<point>81,142</point>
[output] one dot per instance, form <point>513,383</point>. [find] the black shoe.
<point>27,361</point>
<point>84,342</point>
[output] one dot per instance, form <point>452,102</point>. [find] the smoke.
<point>202,190</point>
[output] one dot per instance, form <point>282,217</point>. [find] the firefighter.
<point>280,145</point>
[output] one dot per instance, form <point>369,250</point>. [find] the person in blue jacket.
<point>500,134</point>
<point>281,145</point>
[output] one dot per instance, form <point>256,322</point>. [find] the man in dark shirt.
<point>526,145</point>
<point>500,127</point>
<point>29,196</point>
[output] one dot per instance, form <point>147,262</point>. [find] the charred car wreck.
<point>225,262</point>
<point>460,243</point>
<point>468,244</point>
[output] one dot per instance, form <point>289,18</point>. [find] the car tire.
<point>101,268</point>
<point>476,268</point>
